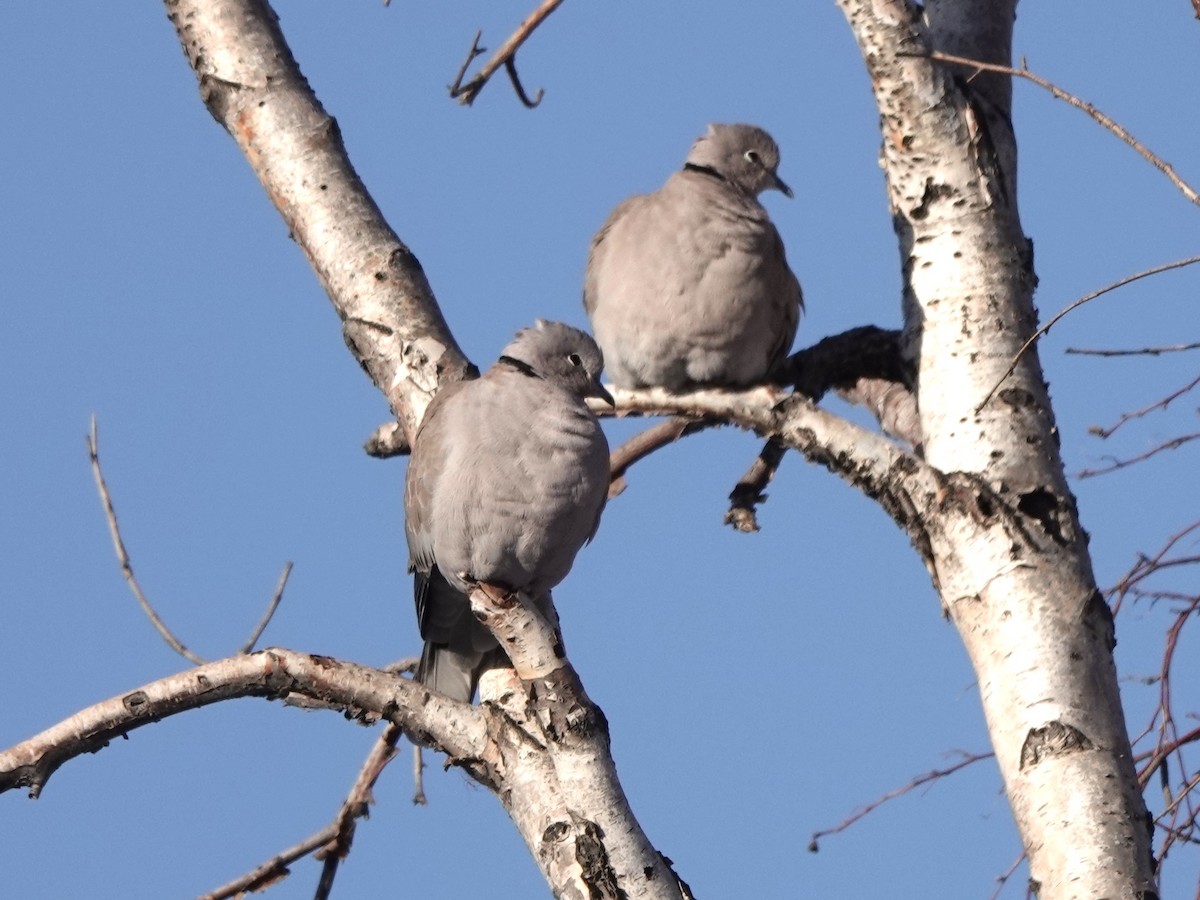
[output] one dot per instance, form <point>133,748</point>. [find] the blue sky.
<point>758,687</point>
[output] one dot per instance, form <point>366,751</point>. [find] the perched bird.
<point>507,480</point>
<point>690,286</point>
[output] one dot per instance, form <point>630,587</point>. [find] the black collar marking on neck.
<point>522,367</point>
<point>705,170</point>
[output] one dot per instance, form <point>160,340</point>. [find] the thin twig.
<point>1145,410</point>
<point>646,442</point>
<point>1002,879</point>
<point>93,445</point>
<point>273,605</point>
<point>474,53</point>
<point>1166,267</point>
<point>936,774</point>
<point>1173,444</point>
<point>747,494</point>
<point>505,56</point>
<point>332,843</point>
<point>1140,351</point>
<point>1147,566</point>
<point>1023,72</point>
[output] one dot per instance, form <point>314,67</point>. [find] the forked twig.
<point>967,760</point>
<point>93,445</point>
<point>1145,410</point>
<point>1137,276</point>
<point>332,843</point>
<point>506,56</point>
<point>1023,72</point>
<point>1173,444</point>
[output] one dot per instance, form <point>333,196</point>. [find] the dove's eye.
<point>575,359</point>
<point>752,157</point>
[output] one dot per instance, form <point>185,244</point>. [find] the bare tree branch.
<point>251,84</point>
<point>456,728</point>
<point>110,514</point>
<point>1088,108</point>
<point>506,56</point>
<point>1166,267</point>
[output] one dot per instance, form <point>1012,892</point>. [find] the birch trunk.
<point>1008,554</point>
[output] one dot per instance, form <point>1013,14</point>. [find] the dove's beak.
<point>598,390</point>
<point>782,187</point>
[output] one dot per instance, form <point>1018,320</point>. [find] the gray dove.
<point>690,286</point>
<point>507,480</point>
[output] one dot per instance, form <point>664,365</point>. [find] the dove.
<point>507,479</point>
<point>689,286</point>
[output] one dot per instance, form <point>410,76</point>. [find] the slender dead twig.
<point>1173,444</point>
<point>646,442</point>
<point>967,760</point>
<point>505,56</point>
<point>93,445</point>
<point>1099,117</point>
<point>332,843</point>
<point>270,610</point>
<point>1145,410</point>
<point>1129,279</point>
<point>1140,351</point>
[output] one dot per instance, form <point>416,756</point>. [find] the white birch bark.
<point>1008,553</point>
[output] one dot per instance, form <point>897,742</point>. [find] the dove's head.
<point>744,155</point>
<point>561,355</point>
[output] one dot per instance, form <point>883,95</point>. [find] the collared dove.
<point>507,480</point>
<point>690,286</point>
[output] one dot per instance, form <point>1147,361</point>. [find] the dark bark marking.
<point>592,856</point>
<point>1052,739</point>
<point>1042,505</point>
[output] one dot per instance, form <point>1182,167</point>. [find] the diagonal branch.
<point>251,84</point>
<point>331,843</point>
<point>506,56</point>
<point>272,605</point>
<point>967,759</point>
<point>642,445</point>
<point>1106,433</point>
<point>1173,444</point>
<point>110,514</point>
<point>1104,120</point>
<point>1037,335</point>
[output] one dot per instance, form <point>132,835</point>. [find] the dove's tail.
<point>452,673</point>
